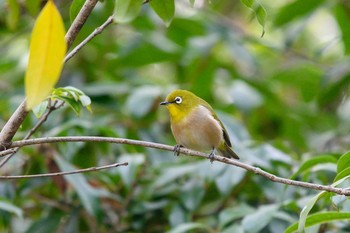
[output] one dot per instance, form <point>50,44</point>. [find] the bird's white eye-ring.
<point>178,100</point>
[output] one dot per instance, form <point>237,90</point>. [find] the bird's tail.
<point>226,151</point>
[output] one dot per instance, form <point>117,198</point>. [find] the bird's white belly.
<point>199,130</point>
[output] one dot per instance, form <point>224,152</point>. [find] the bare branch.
<point>90,37</point>
<point>90,169</point>
<point>41,121</point>
<point>79,21</point>
<point>256,170</point>
<point>12,125</point>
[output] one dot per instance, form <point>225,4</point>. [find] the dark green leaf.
<point>72,103</point>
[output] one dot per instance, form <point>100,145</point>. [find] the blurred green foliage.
<point>283,98</point>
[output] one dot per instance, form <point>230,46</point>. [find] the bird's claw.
<point>177,150</point>
<point>211,156</point>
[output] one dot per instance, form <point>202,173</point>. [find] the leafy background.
<point>283,98</point>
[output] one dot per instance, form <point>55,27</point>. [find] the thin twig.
<point>256,170</point>
<point>90,169</point>
<point>79,21</point>
<point>90,37</point>
<point>43,118</point>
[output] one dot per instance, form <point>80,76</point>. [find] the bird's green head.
<point>180,103</point>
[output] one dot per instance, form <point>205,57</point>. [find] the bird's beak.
<point>164,103</point>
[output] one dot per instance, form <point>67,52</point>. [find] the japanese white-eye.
<point>195,125</point>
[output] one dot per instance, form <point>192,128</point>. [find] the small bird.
<point>195,125</point>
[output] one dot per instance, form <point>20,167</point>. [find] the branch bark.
<point>256,170</point>
<point>12,125</point>
<point>90,37</point>
<point>79,21</point>
<point>51,108</point>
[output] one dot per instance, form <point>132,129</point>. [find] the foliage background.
<point>283,98</point>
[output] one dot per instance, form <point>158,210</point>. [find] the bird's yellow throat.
<point>177,114</point>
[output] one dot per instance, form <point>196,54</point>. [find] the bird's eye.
<point>178,100</point>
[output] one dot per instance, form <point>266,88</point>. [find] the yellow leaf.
<point>46,53</point>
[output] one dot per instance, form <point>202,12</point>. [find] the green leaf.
<point>48,223</point>
<point>75,8</point>
<point>40,109</point>
<point>13,14</point>
<point>86,193</point>
<point>192,195</point>
<point>74,97</point>
<point>129,174</point>
<point>260,218</point>
<point>86,102</point>
<point>141,52</point>
<point>307,165</point>
<point>259,12</point>
<point>304,78</point>
<point>343,162</point>
<point>295,10</point>
<point>33,6</point>
<point>230,214</point>
<point>9,207</point>
<point>342,15</point>
<point>188,227</point>
<point>319,218</point>
<point>126,10</point>
<point>71,102</point>
<point>177,215</point>
<point>305,211</point>
<point>173,173</point>
<point>142,99</point>
<point>165,9</point>
<point>342,174</point>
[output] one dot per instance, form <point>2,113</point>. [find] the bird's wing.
<point>226,137</point>
<point>224,132</point>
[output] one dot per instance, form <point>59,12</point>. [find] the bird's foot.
<point>211,155</point>
<point>177,150</point>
